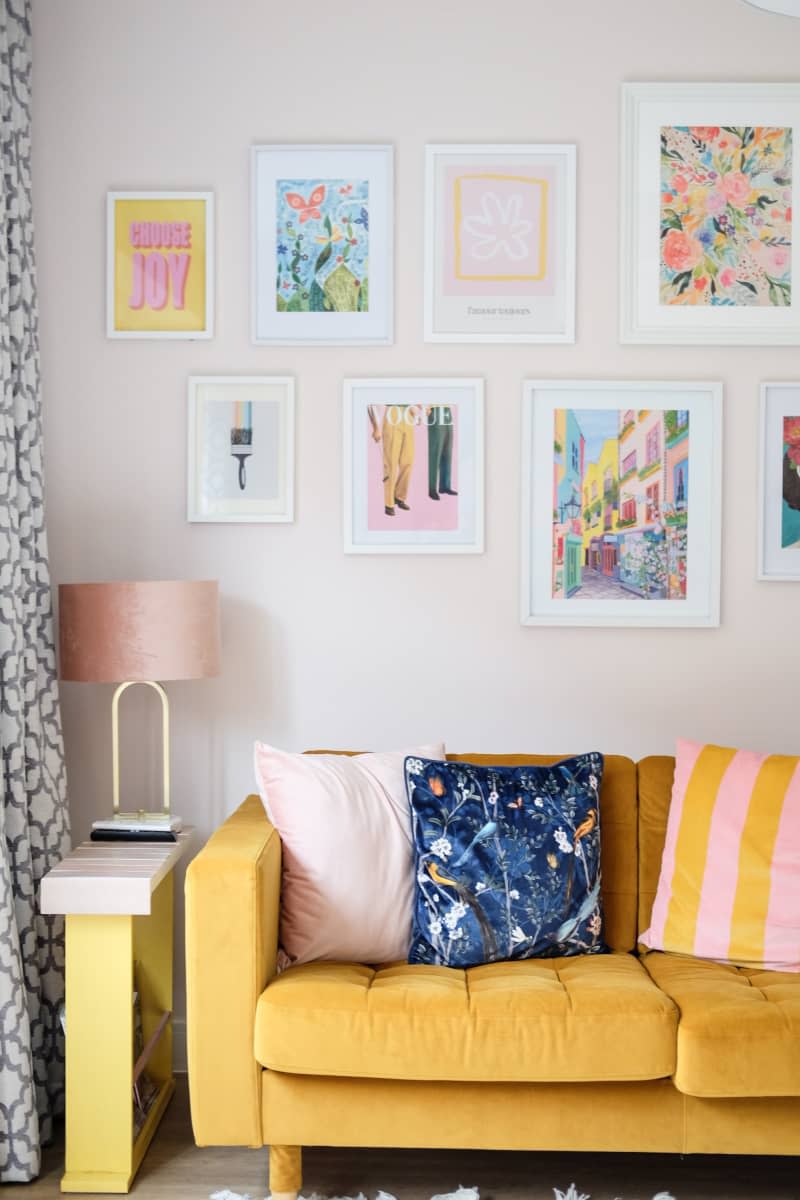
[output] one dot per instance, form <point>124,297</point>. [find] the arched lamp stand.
<point>140,815</point>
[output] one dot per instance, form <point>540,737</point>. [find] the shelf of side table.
<point>117,898</point>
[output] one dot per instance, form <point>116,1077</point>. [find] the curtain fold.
<point>34,822</point>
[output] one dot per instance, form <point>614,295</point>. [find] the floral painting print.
<point>322,245</point>
<point>507,860</point>
<point>790,509</point>
<point>726,216</point>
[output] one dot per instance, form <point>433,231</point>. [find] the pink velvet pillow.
<point>345,827</point>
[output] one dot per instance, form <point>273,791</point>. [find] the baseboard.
<point>179,1062</point>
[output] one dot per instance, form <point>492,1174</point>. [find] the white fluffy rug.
<point>460,1193</point>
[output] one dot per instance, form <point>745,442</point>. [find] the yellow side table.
<point>117,899</point>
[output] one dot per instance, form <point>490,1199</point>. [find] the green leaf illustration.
<point>681,281</point>
<point>322,257</point>
<point>670,219</point>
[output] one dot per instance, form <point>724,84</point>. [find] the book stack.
<point>137,827</point>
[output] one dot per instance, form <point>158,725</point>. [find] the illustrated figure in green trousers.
<point>440,451</point>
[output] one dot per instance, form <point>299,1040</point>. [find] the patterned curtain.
<point>34,825</point>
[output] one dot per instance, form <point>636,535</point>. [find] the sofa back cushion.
<point>617,837</point>
<point>655,776</point>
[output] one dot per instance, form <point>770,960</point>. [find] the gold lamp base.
<point>155,820</point>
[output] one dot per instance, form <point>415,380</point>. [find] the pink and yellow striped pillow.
<point>729,887</point>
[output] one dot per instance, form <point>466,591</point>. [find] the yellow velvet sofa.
<point>622,1052</point>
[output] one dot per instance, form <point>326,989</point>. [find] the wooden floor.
<point>175,1169</point>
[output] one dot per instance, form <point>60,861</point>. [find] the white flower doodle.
<point>442,848</point>
<point>499,228</point>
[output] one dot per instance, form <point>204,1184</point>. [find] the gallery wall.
<point>320,648</point>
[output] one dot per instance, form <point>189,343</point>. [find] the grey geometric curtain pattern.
<point>34,825</point>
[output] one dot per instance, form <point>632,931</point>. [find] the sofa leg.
<point>285,1171</point>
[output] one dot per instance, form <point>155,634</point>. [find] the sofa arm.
<point>232,906</point>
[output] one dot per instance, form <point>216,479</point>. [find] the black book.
<point>133,835</point>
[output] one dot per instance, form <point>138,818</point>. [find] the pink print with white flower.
<point>499,234</point>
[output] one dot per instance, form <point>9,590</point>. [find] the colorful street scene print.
<point>790,507</point>
<point>620,504</point>
<point>322,247</point>
<point>412,464</point>
<point>726,215</point>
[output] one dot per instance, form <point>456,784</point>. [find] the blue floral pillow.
<point>507,860</point>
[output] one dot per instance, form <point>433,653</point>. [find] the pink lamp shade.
<point>152,630</point>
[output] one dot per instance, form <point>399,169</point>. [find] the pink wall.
<point>322,648</point>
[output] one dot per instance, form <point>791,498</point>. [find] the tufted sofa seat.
<point>739,1032</point>
<point>579,1020</point>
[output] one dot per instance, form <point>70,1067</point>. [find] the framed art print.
<point>621,503</point>
<point>322,244</point>
<point>241,448</point>
<point>707,213</point>
<point>160,265</point>
<point>779,488</point>
<point>500,243</point>
<point>413,466</point>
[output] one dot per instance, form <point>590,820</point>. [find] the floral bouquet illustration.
<point>726,215</point>
<point>322,245</point>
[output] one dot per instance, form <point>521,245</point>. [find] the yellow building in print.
<point>600,509</point>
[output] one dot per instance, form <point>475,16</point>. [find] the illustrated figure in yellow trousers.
<point>396,432</point>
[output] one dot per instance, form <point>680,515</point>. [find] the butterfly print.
<point>307,208</point>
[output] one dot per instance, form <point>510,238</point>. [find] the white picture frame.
<point>160,265</point>
<point>706,215</point>
<point>778,526</point>
<point>418,442</point>
<point>618,527</point>
<point>231,418</point>
<point>519,287</point>
<point>337,200</point>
